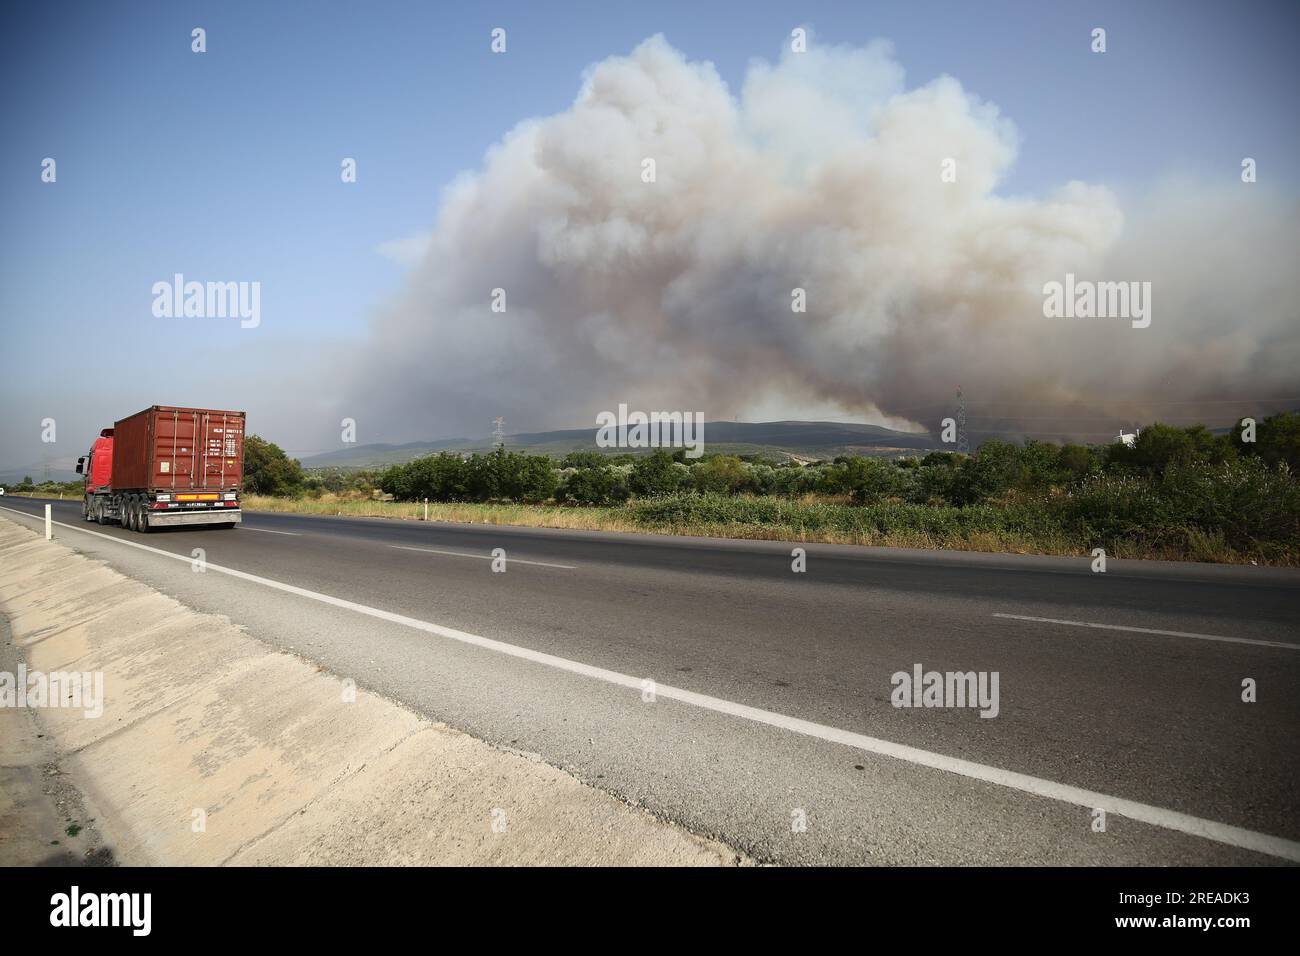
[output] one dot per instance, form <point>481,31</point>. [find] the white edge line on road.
<point>1143,813</point>
<point>245,527</point>
<point>485,557</point>
<point>1151,630</point>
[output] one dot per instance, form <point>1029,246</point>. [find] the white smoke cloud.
<point>823,173</point>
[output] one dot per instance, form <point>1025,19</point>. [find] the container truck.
<point>166,466</point>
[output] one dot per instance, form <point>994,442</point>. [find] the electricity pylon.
<point>963,443</point>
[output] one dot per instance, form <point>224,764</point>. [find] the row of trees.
<point>998,469</point>
<point>47,487</point>
<point>500,475</point>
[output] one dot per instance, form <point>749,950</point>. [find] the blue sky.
<point>226,164</point>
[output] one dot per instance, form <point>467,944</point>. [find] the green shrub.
<point>992,471</point>
<point>1277,439</point>
<point>584,459</point>
<point>1075,461</point>
<point>268,470</point>
<point>1243,502</point>
<point>1158,446</point>
<point>931,483</point>
<point>592,486</point>
<point>864,479</point>
<point>440,477</point>
<point>656,474</point>
<point>500,475</point>
<point>720,474</point>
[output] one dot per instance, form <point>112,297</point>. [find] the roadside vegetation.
<point>1176,493</point>
<point>44,489</point>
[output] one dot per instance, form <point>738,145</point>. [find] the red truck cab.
<point>97,464</point>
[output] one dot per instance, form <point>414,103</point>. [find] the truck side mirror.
<point>80,463</point>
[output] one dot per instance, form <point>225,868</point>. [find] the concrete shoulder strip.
<point>212,748</point>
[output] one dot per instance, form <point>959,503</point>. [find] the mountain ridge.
<point>788,437</point>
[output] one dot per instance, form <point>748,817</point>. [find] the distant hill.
<point>776,439</point>
<point>12,476</point>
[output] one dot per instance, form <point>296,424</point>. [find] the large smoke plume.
<point>822,173</point>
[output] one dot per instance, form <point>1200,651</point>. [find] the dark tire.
<point>100,516</point>
<point>142,520</point>
<point>129,514</point>
<point>85,507</point>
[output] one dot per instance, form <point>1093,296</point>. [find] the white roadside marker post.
<point>426,509</point>
<point>49,526</point>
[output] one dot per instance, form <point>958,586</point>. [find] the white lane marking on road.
<point>485,557</point>
<point>245,527</point>
<point>1151,630</point>
<point>1142,812</point>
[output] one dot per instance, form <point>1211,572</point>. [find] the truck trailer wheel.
<point>129,514</point>
<point>142,520</point>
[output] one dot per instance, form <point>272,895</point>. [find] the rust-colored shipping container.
<point>165,448</point>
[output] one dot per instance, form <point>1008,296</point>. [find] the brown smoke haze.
<point>823,173</point>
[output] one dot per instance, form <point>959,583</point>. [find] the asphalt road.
<point>772,694</point>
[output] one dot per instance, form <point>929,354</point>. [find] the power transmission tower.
<point>498,433</point>
<point>963,443</point>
